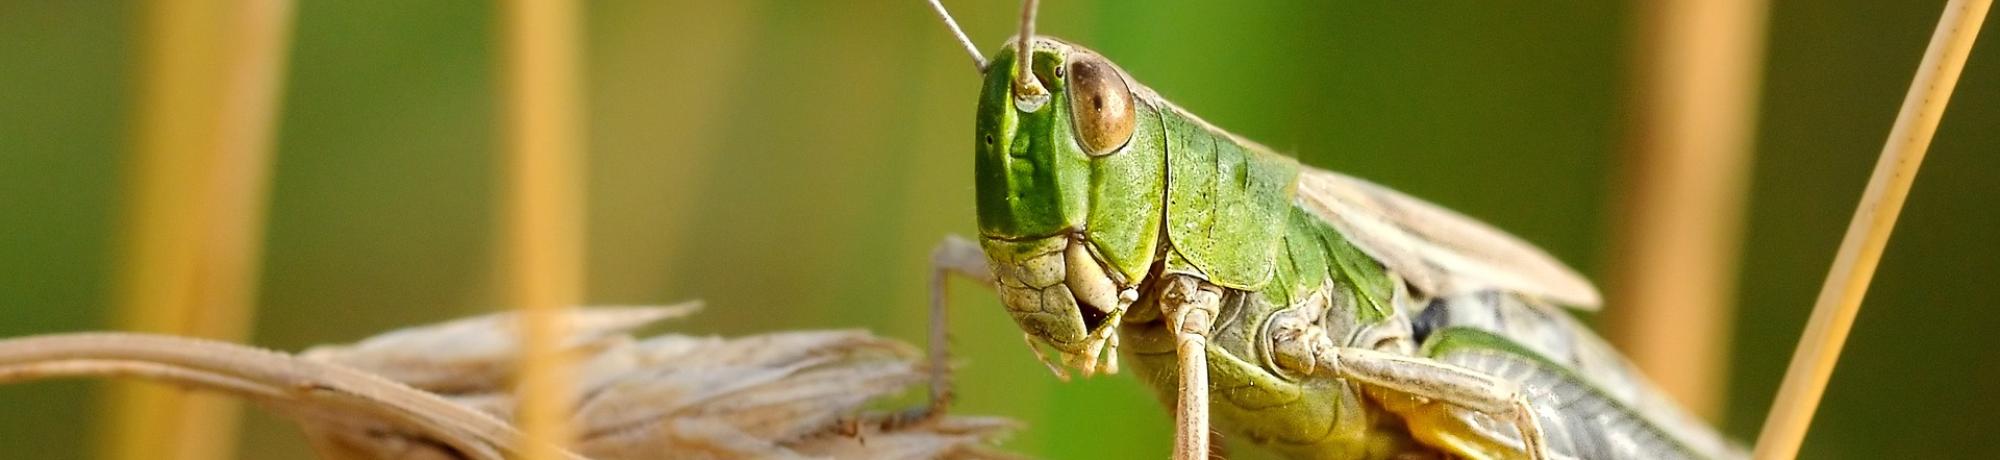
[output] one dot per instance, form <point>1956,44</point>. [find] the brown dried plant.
<point>443,391</point>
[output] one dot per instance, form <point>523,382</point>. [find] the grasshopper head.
<point>1034,175</point>
<point>1033,179</point>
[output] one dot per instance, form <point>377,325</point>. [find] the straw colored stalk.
<point>208,103</point>
<point>544,205</point>
<point>1868,233</point>
<point>1680,223</point>
<point>442,391</point>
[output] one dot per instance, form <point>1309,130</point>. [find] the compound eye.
<point>1100,104</point>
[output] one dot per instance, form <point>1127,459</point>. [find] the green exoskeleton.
<point>1314,314</point>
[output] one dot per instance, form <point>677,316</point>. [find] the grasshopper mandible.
<point>1316,314</point>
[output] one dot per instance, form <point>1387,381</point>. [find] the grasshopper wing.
<point>1437,250</point>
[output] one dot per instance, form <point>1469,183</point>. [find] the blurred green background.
<point>792,162</point>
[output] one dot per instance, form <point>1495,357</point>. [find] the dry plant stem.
<point>544,207</point>
<point>268,376</point>
<point>143,370</point>
<point>434,391</point>
<point>1867,234</point>
<point>1681,219</point>
<point>207,114</point>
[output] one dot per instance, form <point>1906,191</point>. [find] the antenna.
<point>1029,95</point>
<point>978,60</point>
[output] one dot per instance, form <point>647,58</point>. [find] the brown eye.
<point>1099,104</point>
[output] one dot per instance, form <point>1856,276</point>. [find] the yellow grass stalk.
<point>1680,224</point>
<point>1867,234</point>
<point>211,75</point>
<point>543,212</point>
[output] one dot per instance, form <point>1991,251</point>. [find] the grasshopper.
<point>1318,315</point>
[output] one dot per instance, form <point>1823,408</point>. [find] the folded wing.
<point>1436,250</point>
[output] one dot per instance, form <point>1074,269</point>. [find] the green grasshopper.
<point>1315,314</point>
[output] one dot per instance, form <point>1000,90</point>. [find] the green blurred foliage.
<point>792,163</point>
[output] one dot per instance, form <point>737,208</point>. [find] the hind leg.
<point>1429,394</point>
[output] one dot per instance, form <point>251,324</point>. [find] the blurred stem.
<point>1685,183</point>
<point>544,206</point>
<point>212,72</point>
<point>1868,233</point>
